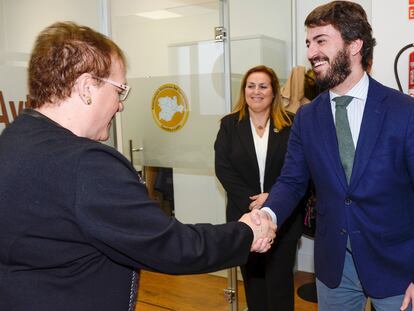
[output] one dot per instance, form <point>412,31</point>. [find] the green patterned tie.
<point>343,134</point>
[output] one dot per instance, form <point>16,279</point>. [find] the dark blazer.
<point>376,210</point>
<point>75,222</point>
<point>237,169</point>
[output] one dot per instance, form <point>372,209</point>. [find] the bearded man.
<point>356,142</point>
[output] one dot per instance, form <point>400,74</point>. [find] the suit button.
<point>343,231</point>
<point>348,201</point>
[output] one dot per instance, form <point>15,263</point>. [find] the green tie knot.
<point>342,101</point>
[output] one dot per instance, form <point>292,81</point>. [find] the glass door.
<point>177,71</point>
<point>171,118</point>
<point>182,86</point>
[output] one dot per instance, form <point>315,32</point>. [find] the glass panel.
<point>265,39</point>
<point>172,59</point>
<point>21,21</point>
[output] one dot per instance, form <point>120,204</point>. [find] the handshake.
<point>264,230</point>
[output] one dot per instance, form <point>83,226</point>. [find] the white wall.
<point>392,30</point>
<point>263,17</point>
<point>2,26</point>
<point>24,19</point>
<point>20,22</point>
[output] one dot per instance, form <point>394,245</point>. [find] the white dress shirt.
<point>260,145</point>
<point>355,109</point>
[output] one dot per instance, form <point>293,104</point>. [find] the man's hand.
<point>264,230</point>
<point>257,215</point>
<point>258,200</point>
<point>408,297</point>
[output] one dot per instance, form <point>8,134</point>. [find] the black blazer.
<point>76,221</point>
<point>237,169</point>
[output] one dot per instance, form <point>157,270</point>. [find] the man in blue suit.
<point>364,241</point>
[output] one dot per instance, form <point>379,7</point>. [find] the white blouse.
<point>260,145</point>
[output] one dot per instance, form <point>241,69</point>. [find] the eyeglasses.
<point>124,88</point>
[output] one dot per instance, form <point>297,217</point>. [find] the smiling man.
<point>356,142</point>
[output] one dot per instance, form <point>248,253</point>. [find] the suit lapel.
<point>246,138</point>
<point>329,140</point>
<point>273,145</point>
<point>372,121</point>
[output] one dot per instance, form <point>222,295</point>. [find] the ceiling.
<point>182,7</point>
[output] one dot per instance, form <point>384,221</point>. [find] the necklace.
<point>259,126</point>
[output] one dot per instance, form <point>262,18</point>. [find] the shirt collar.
<point>359,90</point>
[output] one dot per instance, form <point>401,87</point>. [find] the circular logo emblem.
<point>170,107</point>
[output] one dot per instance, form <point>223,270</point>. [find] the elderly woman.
<point>75,221</point>
<point>250,151</point>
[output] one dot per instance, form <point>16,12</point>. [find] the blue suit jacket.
<point>376,209</point>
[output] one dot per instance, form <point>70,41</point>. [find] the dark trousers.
<point>268,278</point>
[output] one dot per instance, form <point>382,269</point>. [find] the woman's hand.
<point>258,200</point>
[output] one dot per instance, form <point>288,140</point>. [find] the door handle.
<point>132,150</point>
<point>131,155</point>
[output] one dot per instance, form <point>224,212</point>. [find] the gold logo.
<point>170,107</point>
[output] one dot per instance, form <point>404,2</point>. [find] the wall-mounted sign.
<point>170,107</point>
<point>15,111</point>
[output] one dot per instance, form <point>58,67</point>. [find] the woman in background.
<point>249,152</point>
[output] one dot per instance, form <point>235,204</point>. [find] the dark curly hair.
<point>350,20</point>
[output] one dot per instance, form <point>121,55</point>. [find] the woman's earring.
<point>89,101</point>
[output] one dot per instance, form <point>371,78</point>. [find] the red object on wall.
<point>411,74</point>
<point>410,2</point>
<point>411,12</point>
